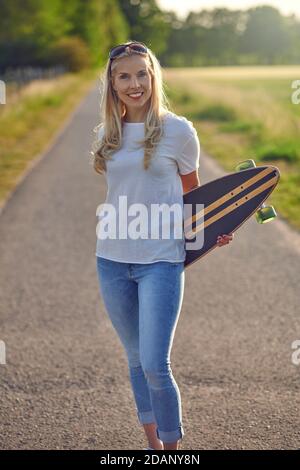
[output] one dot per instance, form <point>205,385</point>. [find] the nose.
<point>134,83</point>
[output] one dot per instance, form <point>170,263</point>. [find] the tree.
<point>147,23</point>
<point>265,34</point>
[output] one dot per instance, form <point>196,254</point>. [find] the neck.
<point>136,115</point>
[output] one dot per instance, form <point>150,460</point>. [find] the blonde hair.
<point>113,110</point>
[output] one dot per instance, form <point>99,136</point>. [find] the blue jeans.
<point>143,302</point>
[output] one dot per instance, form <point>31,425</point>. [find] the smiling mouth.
<point>136,95</point>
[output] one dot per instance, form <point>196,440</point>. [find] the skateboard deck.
<point>227,203</point>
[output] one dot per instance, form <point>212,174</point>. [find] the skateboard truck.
<point>265,213</point>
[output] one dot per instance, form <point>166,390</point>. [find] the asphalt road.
<point>65,382</point>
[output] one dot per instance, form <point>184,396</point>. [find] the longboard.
<point>227,203</point>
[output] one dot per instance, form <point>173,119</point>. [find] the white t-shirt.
<point>177,152</point>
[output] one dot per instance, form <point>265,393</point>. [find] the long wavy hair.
<point>113,110</point>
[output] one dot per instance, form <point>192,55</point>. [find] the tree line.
<point>79,33</point>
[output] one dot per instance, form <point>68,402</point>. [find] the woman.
<point>150,156</point>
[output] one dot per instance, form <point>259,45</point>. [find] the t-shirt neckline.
<point>132,123</point>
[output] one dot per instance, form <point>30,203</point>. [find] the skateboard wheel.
<point>245,165</point>
<point>265,214</point>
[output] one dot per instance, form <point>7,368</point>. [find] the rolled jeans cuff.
<point>170,436</point>
<point>146,417</point>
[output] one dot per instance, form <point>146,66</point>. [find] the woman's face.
<point>131,75</point>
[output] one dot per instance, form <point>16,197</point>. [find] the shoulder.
<point>180,125</point>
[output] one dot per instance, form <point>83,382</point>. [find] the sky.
<point>182,7</point>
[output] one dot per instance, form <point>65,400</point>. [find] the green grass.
<point>214,112</point>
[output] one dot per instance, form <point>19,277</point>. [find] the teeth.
<point>136,94</point>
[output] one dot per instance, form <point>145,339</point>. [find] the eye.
<point>140,74</point>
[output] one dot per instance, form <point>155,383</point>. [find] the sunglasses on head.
<point>135,46</point>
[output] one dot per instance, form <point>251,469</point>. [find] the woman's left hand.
<point>224,239</point>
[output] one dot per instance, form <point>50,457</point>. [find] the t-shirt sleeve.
<point>100,132</point>
<point>189,155</point>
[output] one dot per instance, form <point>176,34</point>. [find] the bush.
<point>72,52</point>
<point>285,151</point>
<point>216,113</point>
